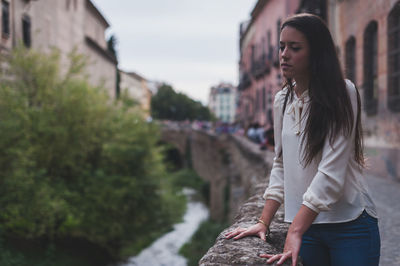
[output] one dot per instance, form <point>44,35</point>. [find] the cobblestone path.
<point>386,195</point>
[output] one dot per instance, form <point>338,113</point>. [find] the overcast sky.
<point>189,44</point>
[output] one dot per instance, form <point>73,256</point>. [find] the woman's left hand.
<point>291,250</point>
<point>304,218</point>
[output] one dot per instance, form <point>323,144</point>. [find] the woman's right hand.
<point>258,229</point>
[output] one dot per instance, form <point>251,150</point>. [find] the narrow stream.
<point>164,251</point>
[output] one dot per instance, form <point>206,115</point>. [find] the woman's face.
<point>294,54</point>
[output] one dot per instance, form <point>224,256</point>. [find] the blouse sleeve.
<point>327,185</point>
<point>275,188</point>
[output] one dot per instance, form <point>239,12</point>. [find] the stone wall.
<point>232,164</point>
<point>209,160</point>
<point>249,169</point>
<point>238,174</point>
<point>245,251</point>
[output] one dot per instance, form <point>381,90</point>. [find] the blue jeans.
<point>354,243</point>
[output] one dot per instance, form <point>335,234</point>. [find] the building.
<point>63,24</point>
<point>370,53</point>
<point>259,74</point>
<point>136,87</point>
<point>222,102</point>
<point>368,46</point>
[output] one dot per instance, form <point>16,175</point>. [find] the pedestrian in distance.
<point>318,166</point>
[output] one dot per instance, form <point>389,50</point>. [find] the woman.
<point>318,157</point>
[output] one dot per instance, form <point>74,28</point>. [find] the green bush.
<point>187,177</point>
<point>75,164</point>
<point>201,241</point>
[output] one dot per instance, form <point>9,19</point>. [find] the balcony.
<point>274,55</point>
<point>260,66</point>
<point>244,82</point>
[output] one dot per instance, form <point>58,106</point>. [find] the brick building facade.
<point>367,35</point>
<point>370,53</point>
<point>259,74</point>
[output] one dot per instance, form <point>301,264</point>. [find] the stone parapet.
<point>234,165</point>
<point>245,251</point>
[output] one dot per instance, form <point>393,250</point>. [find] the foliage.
<point>111,47</point>
<point>9,258</point>
<point>39,256</point>
<point>167,104</point>
<point>208,231</point>
<point>201,241</point>
<point>189,178</point>
<point>73,164</point>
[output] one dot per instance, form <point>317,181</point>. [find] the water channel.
<point>164,251</point>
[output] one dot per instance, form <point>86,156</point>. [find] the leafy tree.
<point>75,165</point>
<point>111,47</point>
<point>167,104</point>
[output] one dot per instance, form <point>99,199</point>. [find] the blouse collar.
<point>296,109</point>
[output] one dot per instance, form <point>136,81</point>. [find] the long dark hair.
<point>330,111</point>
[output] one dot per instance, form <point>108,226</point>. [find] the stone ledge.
<point>245,251</point>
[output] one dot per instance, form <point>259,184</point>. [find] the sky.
<point>190,44</point>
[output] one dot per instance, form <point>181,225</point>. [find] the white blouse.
<point>332,184</point>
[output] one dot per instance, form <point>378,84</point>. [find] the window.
<point>269,110</point>
<point>253,54</point>
<point>5,18</point>
<point>257,99</point>
<point>26,30</point>
<point>317,7</point>
<point>263,45</point>
<point>263,98</point>
<point>275,51</point>
<point>270,47</point>
<point>269,117</point>
<point>270,95</point>
<point>351,59</point>
<point>371,69</point>
<point>393,99</point>
<point>278,33</point>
